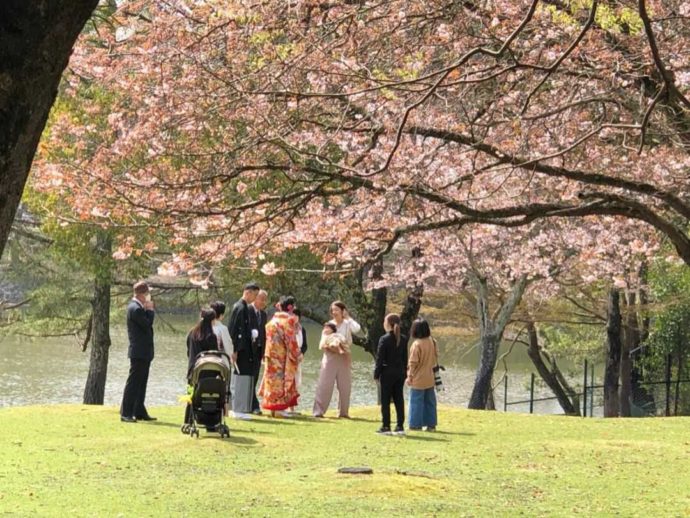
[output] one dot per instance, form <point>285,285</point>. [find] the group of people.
<point>251,340</point>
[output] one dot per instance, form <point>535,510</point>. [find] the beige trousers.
<point>335,368</point>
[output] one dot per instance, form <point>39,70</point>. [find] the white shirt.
<point>221,331</point>
<point>347,328</point>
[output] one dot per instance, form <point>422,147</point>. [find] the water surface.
<point>54,370</point>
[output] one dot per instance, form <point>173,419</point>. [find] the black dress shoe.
<point>127,419</point>
<point>147,418</point>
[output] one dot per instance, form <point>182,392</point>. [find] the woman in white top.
<point>337,368</point>
<point>224,341</point>
<point>221,330</point>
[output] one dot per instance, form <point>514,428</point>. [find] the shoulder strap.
<point>435,349</point>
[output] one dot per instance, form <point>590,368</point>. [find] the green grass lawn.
<point>81,461</point>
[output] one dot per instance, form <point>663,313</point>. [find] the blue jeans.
<point>422,407</point>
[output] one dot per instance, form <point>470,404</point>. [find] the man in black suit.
<point>243,332</point>
<point>260,317</point>
<point>140,315</point>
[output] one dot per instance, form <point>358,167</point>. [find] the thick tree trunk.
<point>413,300</point>
<point>613,332</point>
<point>379,301</point>
<point>631,339</point>
<point>490,335</point>
<point>94,391</point>
<point>488,345</point>
<point>549,377</point>
<point>36,40</point>
<point>641,396</point>
<point>411,307</point>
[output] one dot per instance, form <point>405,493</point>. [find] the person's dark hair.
<point>331,326</point>
<point>393,320</point>
<point>298,312</point>
<point>251,286</point>
<point>420,329</point>
<point>286,303</point>
<point>219,307</point>
<point>204,328</point>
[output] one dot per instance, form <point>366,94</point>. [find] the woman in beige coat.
<point>420,377</point>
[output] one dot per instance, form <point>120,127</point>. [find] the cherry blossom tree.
<point>228,120</point>
<point>361,129</point>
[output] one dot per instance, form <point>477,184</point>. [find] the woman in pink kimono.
<point>282,355</point>
<point>336,365</point>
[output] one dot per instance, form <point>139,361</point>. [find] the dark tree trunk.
<point>411,307</point>
<point>94,391</point>
<point>379,301</point>
<point>372,309</point>
<point>641,396</point>
<point>413,300</point>
<point>613,358</point>
<point>488,345</point>
<point>490,335</point>
<point>631,340</point>
<point>36,40</point>
<point>550,378</point>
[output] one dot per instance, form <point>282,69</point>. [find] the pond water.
<point>54,370</point>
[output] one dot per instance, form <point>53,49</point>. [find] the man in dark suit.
<point>243,332</point>
<point>140,315</point>
<point>260,317</point>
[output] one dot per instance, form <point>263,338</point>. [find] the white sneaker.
<point>241,415</point>
<point>285,413</point>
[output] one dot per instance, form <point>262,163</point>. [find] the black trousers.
<point>135,389</point>
<point>255,400</point>
<point>392,388</point>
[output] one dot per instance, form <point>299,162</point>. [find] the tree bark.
<point>36,40</point>
<point>613,359</point>
<point>411,307</point>
<point>490,335</point>
<point>413,300</point>
<point>631,339</point>
<point>549,377</point>
<point>94,391</point>
<point>641,396</point>
<point>379,301</point>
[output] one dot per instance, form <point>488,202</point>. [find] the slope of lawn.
<point>81,461</point>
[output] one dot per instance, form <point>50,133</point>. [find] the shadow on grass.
<point>441,432</point>
<point>429,437</point>
<point>362,419</point>
<point>293,419</point>
<point>271,420</point>
<point>160,423</point>
<point>234,439</point>
<point>312,419</point>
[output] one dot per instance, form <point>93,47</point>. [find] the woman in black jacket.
<point>391,363</point>
<point>201,338</point>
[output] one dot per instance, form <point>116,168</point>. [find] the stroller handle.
<point>212,353</point>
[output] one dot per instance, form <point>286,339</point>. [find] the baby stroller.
<point>209,380</point>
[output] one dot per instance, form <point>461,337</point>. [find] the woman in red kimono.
<point>282,356</point>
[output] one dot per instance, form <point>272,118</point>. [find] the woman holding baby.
<point>336,364</point>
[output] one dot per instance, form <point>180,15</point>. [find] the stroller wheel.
<point>184,428</point>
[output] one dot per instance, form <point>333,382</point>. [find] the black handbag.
<point>438,382</point>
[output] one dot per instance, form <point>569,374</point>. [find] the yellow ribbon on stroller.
<point>187,398</point>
